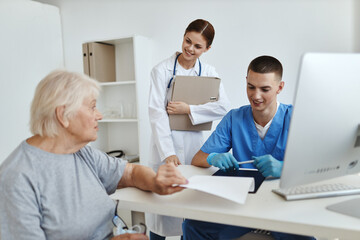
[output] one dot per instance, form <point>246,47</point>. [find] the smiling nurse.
<point>179,147</point>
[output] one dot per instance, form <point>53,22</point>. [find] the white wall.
<point>244,29</point>
<point>356,19</point>
<point>31,46</point>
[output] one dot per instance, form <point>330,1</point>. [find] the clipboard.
<point>258,177</point>
<point>194,90</point>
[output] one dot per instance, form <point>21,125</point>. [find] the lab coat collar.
<point>170,64</point>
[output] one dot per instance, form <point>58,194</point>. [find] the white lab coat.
<point>184,144</point>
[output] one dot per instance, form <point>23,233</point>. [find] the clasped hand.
<point>268,165</point>
<point>224,161</point>
<point>178,108</point>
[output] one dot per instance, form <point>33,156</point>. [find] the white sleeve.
<point>159,119</point>
<point>210,111</point>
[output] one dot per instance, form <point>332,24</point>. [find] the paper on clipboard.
<point>193,90</point>
<point>222,186</point>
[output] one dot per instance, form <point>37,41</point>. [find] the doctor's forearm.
<point>199,159</point>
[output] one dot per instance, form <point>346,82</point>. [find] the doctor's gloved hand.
<point>224,161</point>
<point>268,165</point>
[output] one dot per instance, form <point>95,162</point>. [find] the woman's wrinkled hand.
<point>168,178</point>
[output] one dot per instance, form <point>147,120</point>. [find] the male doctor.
<point>257,131</point>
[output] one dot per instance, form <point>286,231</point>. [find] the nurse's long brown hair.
<point>204,28</point>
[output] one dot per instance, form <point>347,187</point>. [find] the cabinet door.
<point>99,61</point>
<point>85,49</point>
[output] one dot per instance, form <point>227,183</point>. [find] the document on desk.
<point>223,186</point>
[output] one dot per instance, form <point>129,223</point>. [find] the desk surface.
<point>263,210</point>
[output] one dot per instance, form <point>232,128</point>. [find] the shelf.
<point>117,83</point>
<point>123,102</point>
<point>118,41</point>
<point>124,120</point>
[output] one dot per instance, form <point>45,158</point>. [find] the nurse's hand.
<point>167,179</point>
<point>224,161</point>
<point>178,108</point>
<point>173,159</point>
<point>268,165</point>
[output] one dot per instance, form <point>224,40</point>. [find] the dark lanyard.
<point>174,71</point>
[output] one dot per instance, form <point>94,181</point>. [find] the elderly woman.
<point>55,186</point>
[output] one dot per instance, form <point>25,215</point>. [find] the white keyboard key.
<point>317,191</point>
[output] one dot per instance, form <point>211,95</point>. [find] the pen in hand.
<point>240,163</point>
<point>249,161</point>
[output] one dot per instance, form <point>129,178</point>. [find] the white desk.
<point>263,210</point>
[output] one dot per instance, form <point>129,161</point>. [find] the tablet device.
<point>258,177</point>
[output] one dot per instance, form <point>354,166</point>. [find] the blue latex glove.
<point>224,161</point>
<point>268,165</point>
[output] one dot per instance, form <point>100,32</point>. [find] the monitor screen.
<point>324,134</point>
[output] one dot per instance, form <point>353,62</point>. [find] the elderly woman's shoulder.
<point>18,168</point>
<point>91,154</point>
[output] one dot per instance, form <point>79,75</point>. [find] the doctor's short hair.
<point>266,64</point>
<point>59,88</point>
<point>203,27</point>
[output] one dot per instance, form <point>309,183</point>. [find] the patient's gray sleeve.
<point>108,169</point>
<point>18,203</point>
<point>19,200</point>
<point>53,196</point>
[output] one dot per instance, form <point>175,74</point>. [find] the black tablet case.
<point>258,177</point>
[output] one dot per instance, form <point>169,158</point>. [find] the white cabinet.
<point>123,103</point>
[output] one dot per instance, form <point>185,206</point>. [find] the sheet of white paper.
<point>232,188</point>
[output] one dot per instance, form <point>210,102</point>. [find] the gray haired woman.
<point>55,186</point>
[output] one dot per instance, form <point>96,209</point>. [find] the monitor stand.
<point>349,207</point>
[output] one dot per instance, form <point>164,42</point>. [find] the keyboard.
<point>317,191</point>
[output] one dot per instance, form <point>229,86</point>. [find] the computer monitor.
<point>324,134</point>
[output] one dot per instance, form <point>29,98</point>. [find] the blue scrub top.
<point>237,131</point>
